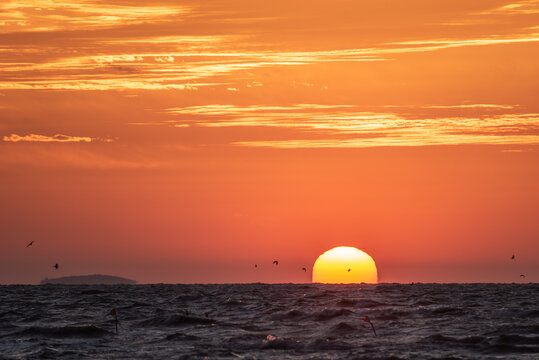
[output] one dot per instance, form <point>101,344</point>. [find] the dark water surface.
<point>259,321</point>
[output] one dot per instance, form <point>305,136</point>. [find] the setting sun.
<point>345,265</point>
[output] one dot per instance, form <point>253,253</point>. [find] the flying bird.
<point>513,257</point>
<point>349,270</point>
<point>55,266</point>
<point>256,265</point>
<point>31,243</point>
<point>304,269</point>
<point>275,262</point>
<point>522,275</point>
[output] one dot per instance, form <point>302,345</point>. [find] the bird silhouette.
<point>522,275</point>
<point>304,269</point>
<point>31,243</point>
<point>349,270</point>
<point>256,265</point>
<point>275,262</point>
<point>513,257</point>
<point>55,266</point>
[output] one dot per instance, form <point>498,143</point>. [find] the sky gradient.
<point>185,141</point>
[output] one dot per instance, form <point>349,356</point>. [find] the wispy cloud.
<point>522,7</point>
<point>471,106</point>
<point>176,70</point>
<point>393,140</point>
<point>349,126</point>
<point>108,84</point>
<point>156,70</point>
<point>439,44</point>
<point>227,109</point>
<point>47,15</point>
<point>44,138</point>
<point>109,45</point>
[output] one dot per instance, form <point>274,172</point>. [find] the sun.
<point>345,265</point>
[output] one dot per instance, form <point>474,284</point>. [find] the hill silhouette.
<point>88,280</point>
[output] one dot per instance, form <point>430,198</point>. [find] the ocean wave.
<point>232,302</point>
<point>392,357</point>
<point>10,314</point>
<point>328,314</point>
<point>393,314</point>
<point>134,306</point>
<point>328,344</point>
<point>288,315</point>
<point>342,328</point>
<point>517,339</point>
<point>180,337</point>
<point>530,314</point>
<point>347,302</point>
<point>466,340</point>
<point>278,343</point>
<point>176,320</point>
<point>369,304</point>
<point>88,331</point>
<point>319,295</point>
<point>92,292</point>
<point>508,348</point>
<point>447,310</point>
<point>308,321</point>
<point>500,344</point>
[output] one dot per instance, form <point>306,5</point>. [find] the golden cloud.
<point>43,138</point>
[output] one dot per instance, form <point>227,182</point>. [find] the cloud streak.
<point>61,45</point>
<point>58,138</point>
<point>163,71</point>
<point>523,7</point>
<point>221,55</point>
<point>47,15</point>
<point>349,126</point>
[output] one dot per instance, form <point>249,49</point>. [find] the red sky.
<point>185,141</point>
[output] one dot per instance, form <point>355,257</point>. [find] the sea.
<point>270,321</point>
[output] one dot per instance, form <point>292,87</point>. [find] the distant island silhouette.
<point>88,280</point>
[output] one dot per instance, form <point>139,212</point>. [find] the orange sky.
<point>184,141</point>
